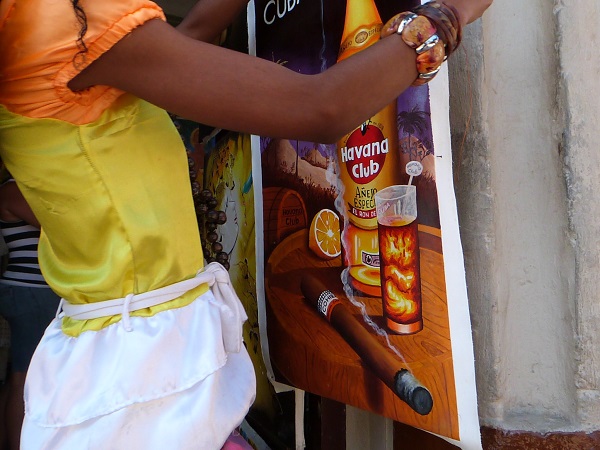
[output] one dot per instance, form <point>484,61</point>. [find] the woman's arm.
<point>208,18</point>
<point>230,90</point>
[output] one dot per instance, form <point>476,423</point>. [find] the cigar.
<point>375,356</point>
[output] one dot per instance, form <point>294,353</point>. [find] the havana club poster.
<point>363,296</point>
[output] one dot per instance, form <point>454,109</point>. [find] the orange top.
<point>105,173</point>
<point>36,63</point>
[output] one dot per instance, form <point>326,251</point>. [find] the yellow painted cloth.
<point>105,173</point>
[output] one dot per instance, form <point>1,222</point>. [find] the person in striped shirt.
<point>26,301</point>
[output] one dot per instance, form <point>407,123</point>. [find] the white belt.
<point>214,274</point>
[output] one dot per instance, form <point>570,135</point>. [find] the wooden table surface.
<point>308,353</point>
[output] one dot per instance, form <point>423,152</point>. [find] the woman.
<point>146,355</point>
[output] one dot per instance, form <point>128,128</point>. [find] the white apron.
<point>178,380</point>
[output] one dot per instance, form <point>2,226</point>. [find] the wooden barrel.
<point>284,213</point>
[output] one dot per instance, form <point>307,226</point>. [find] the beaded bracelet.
<point>446,21</point>
<point>434,33</point>
<point>419,33</point>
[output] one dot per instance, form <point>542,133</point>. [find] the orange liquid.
<point>400,269</point>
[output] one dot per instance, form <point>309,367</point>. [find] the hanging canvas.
<point>362,295</point>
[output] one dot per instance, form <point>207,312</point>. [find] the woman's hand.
<point>469,10</point>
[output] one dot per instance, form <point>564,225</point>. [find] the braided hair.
<point>82,19</point>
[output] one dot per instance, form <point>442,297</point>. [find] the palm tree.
<point>297,157</point>
<point>412,122</point>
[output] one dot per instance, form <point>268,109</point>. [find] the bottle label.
<point>370,259</point>
<point>368,159</point>
<point>366,214</point>
<point>364,153</point>
<point>362,37</point>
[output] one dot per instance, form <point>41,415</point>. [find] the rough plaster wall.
<point>578,40</point>
<point>475,205</point>
<point>533,262</point>
<point>513,215</point>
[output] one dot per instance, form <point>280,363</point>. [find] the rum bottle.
<point>368,157</point>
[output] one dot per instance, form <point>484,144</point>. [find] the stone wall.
<point>525,138</point>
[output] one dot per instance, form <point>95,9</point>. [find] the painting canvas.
<point>346,311</point>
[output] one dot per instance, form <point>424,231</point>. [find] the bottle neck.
<point>362,26</point>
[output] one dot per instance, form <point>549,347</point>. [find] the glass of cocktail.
<point>399,258</point>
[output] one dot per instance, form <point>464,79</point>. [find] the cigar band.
<point>326,302</point>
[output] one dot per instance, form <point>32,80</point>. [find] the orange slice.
<point>324,235</point>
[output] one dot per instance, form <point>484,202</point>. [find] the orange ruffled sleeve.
<point>38,48</point>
